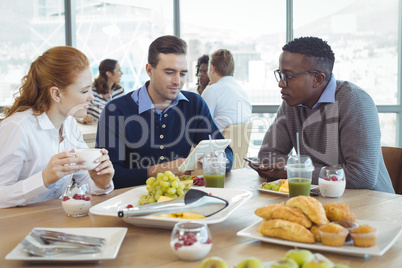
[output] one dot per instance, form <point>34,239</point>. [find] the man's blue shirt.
<point>137,140</point>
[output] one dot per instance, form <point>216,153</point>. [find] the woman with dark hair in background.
<point>202,73</point>
<point>105,87</point>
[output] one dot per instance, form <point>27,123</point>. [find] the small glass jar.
<point>214,168</point>
<point>191,241</point>
<point>332,181</point>
<point>76,199</point>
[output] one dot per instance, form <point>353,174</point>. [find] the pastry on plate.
<point>333,235</point>
<point>286,230</point>
<point>348,225</point>
<point>311,207</point>
<point>364,236</point>
<point>280,211</point>
<point>315,231</point>
<point>339,212</point>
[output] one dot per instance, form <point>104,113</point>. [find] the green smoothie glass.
<point>299,171</point>
<point>214,168</point>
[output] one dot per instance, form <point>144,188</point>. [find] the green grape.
<point>150,180</point>
<point>164,184</point>
<point>175,184</point>
<point>266,186</point>
<point>151,199</point>
<point>168,172</point>
<point>179,192</point>
<point>171,191</point>
<point>276,187</point>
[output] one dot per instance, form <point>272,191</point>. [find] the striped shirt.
<point>96,106</point>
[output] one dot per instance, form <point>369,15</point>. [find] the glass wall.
<point>28,28</point>
<point>254,38</point>
<point>122,31</point>
<point>364,36</point>
<point>362,33</point>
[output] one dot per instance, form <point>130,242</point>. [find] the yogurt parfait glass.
<point>191,241</point>
<point>332,181</point>
<point>76,199</point>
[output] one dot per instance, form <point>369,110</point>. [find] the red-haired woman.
<point>39,134</point>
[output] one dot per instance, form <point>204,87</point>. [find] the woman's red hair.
<point>59,67</point>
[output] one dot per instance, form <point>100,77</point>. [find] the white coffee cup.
<point>90,155</point>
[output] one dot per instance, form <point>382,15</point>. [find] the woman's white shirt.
<point>27,143</point>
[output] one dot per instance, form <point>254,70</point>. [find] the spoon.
<point>195,201</point>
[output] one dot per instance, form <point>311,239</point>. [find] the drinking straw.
<point>210,144</point>
<point>298,152</point>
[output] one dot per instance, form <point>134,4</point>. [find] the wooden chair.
<point>240,136</point>
<point>393,161</point>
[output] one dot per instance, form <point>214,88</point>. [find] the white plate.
<point>110,207</point>
<point>277,192</point>
<point>387,235</point>
<point>114,237</point>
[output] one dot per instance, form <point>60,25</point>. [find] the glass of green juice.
<point>214,168</point>
<point>299,172</point>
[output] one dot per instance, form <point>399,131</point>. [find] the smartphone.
<point>252,160</point>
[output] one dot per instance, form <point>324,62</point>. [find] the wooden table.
<point>149,247</point>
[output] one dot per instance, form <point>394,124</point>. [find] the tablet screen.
<point>204,146</point>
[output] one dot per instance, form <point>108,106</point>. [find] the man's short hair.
<point>204,59</point>
<point>319,54</point>
<point>167,44</point>
<point>223,62</point>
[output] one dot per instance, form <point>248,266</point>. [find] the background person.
<point>153,128</point>
<point>105,87</point>
<point>226,99</point>
<point>337,121</point>
<point>202,73</point>
<point>38,135</point>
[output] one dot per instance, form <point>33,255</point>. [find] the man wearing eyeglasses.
<point>336,121</point>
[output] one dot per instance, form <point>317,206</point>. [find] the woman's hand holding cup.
<point>104,171</point>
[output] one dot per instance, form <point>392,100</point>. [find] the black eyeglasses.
<point>284,77</point>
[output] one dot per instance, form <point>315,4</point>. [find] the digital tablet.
<point>205,146</point>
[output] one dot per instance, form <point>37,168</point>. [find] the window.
<point>28,28</point>
<point>254,38</point>
<point>122,31</point>
<point>364,38</point>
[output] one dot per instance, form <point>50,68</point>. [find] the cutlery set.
<point>46,243</point>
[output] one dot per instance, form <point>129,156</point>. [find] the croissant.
<point>339,212</point>
<point>309,206</point>
<point>315,231</point>
<point>286,230</point>
<point>280,211</point>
